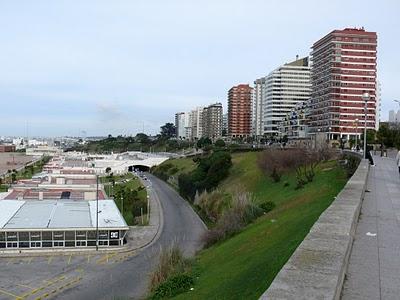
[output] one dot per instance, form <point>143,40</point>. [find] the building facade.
<point>257,107</point>
<point>284,88</point>
<point>295,124</point>
<point>212,121</point>
<point>196,117</point>
<point>183,125</point>
<point>343,68</point>
<point>239,111</point>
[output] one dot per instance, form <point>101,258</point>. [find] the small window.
<point>58,244</point>
<point>47,244</point>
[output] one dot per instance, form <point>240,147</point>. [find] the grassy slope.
<point>245,265</point>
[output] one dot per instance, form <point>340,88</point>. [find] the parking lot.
<point>42,277</point>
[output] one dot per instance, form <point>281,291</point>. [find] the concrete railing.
<point>317,268</point>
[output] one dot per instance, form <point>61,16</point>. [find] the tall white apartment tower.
<point>284,88</point>
<point>197,122</point>
<point>183,125</point>
<point>257,98</point>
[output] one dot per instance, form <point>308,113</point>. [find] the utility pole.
<point>365,97</point>
<point>97,212</point>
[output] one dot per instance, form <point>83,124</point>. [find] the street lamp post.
<point>356,143</point>
<point>97,212</point>
<point>365,97</point>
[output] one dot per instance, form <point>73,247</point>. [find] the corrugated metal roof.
<point>8,208</point>
<point>43,214</point>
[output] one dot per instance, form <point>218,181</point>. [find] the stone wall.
<point>317,268</point>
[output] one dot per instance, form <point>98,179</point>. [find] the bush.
<point>267,206</point>
<point>171,275</point>
<point>219,143</point>
<point>242,212</point>
<point>212,204</point>
<point>351,163</point>
<point>173,286</point>
<point>286,184</point>
<point>211,170</point>
<point>139,207</point>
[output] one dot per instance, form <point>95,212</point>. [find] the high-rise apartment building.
<point>392,116</point>
<point>239,111</point>
<point>224,124</point>
<point>212,121</point>
<point>196,116</point>
<point>183,125</point>
<point>284,88</point>
<point>257,107</point>
<point>343,68</point>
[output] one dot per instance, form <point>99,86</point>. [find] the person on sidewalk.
<point>369,156</point>
<point>398,160</point>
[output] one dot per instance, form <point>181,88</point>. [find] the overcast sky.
<point>120,66</point>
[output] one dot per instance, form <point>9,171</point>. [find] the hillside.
<point>245,265</point>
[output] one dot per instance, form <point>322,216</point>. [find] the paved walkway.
<point>374,266</point>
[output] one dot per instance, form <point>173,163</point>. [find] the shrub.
<point>139,207</point>
<point>212,204</point>
<point>211,170</point>
<point>219,143</point>
<point>241,212</point>
<point>268,206</point>
<point>173,170</point>
<point>173,286</point>
<point>286,184</point>
<point>171,275</point>
<point>351,163</point>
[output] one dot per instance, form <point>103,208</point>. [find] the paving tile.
<point>374,265</point>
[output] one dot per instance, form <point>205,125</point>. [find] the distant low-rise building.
<point>7,148</point>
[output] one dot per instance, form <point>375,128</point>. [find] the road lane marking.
<point>10,261</point>
<point>50,260</point>
<point>25,286</point>
<point>105,259</point>
<point>88,258</point>
<point>69,259</point>
<point>29,260</point>
<point>10,294</point>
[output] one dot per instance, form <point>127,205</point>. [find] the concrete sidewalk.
<point>374,266</point>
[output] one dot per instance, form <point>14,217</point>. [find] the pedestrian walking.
<point>369,156</point>
<point>398,160</point>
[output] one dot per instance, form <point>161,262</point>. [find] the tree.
<point>168,130</point>
<point>142,138</point>
<point>219,143</point>
<point>370,136</point>
<point>204,141</point>
<point>108,170</point>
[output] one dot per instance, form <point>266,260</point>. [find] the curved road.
<point>130,278</point>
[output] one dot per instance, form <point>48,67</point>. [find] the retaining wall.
<point>317,268</point>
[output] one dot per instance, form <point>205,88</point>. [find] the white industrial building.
<point>60,224</point>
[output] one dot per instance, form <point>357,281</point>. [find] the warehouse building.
<point>60,224</point>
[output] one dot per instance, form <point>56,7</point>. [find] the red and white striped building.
<point>343,68</point>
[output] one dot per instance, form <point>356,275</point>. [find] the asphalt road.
<point>130,278</point>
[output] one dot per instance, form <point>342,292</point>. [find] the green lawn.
<point>133,183</point>
<point>184,165</point>
<point>243,266</point>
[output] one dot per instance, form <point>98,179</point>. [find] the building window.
<point>11,236</point>
<point>12,245</point>
<point>58,244</point>
<point>36,244</point>
<point>81,243</point>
